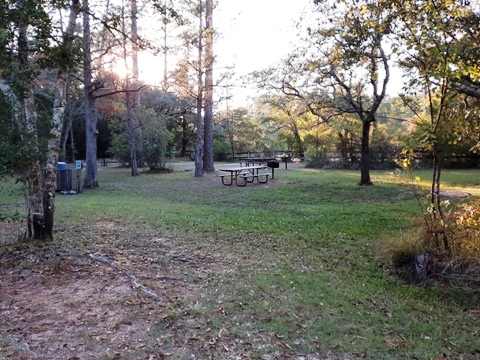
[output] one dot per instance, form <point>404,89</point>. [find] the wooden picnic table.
<point>246,174</point>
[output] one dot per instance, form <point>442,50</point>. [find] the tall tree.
<point>199,97</point>
<point>65,66</point>
<point>39,47</point>
<point>345,67</point>
<point>35,205</point>
<point>91,116</point>
<point>432,39</point>
<point>208,165</point>
<point>130,97</point>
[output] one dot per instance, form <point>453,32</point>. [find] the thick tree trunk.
<point>365,152</point>
<point>25,115</point>
<point>50,173</point>
<point>34,196</point>
<point>35,207</point>
<point>90,180</point>
<point>208,165</point>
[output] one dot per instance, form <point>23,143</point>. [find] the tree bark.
<point>365,152</point>
<point>130,98</point>
<point>208,165</point>
<point>131,135</point>
<point>50,173</point>
<point>90,180</point>
<point>34,196</point>
<point>199,117</point>
<point>133,12</point>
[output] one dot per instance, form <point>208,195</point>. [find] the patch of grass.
<point>305,271</point>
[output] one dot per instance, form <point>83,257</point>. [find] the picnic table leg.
<point>231,180</point>
<point>241,184</point>
<point>263,182</point>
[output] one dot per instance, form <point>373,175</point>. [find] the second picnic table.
<point>243,175</point>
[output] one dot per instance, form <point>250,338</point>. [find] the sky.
<point>254,34</point>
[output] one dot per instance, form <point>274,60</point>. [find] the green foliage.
<point>220,148</point>
<point>17,149</point>
<point>119,148</point>
<point>155,141</point>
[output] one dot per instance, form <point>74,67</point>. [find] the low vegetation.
<point>301,268</point>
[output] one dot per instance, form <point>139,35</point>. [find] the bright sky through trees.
<point>254,34</point>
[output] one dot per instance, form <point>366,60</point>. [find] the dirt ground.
<point>126,301</point>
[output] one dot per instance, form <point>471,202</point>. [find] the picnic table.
<point>243,175</point>
<point>255,160</point>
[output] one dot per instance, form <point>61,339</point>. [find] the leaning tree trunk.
<point>50,173</point>
<point>365,154</point>
<point>208,165</point>
<point>34,196</point>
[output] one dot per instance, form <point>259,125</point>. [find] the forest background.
<point>71,89</point>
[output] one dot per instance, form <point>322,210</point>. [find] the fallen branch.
<point>136,284</point>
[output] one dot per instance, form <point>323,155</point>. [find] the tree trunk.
<point>208,165</point>
<point>56,129</point>
<point>199,117</point>
<point>185,137</point>
<point>34,196</point>
<point>165,54</point>
<point>35,207</point>
<point>25,115</point>
<point>90,180</point>
<point>133,11</point>
<point>365,152</point>
<point>131,135</point>
<point>438,216</point>
<point>72,143</point>
<point>129,97</point>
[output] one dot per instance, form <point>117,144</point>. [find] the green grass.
<point>307,273</point>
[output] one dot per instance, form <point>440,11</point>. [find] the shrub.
<point>452,245</point>
<point>464,233</point>
<point>155,141</point>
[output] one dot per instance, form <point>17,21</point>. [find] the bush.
<point>452,245</point>
<point>221,149</point>
<point>155,141</point>
<point>464,233</point>
<point>119,148</point>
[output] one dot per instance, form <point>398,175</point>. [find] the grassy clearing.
<point>303,270</point>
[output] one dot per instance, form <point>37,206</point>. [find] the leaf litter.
<point>118,294</point>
